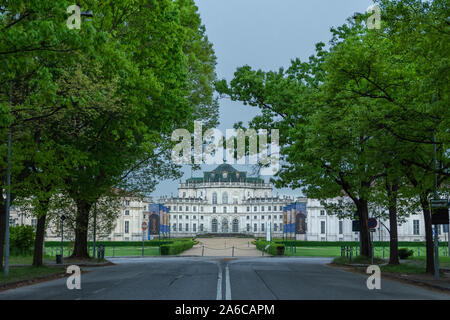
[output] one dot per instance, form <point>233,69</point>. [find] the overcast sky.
<point>267,35</point>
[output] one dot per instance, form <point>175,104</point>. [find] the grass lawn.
<point>419,254</point>
<point>111,251</point>
<point>29,273</point>
<point>27,259</point>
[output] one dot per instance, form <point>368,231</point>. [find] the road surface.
<point>211,278</point>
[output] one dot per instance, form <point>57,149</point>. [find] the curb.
<point>393,277</point>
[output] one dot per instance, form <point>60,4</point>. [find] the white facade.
<point>227,201</point>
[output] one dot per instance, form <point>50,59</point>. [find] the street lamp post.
<point>95,230</point>
<point>8,191</point>
<point>63,217</point>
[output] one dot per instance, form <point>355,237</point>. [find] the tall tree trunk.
<point>81,229</point>
<point>392,193</point>
<point>39,241</point>
<point>40,232</point>
<point>363,213</point>
<point>428,233</point>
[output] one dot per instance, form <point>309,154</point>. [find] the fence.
<point>383,252</point>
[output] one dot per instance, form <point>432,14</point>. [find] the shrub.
<point>22,239</point>
<point>176,247</point>
<point>404,253</point>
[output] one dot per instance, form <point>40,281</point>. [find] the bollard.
<point>203,251</point>
<point>232,252</point>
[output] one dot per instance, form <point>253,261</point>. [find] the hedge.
<point>262,244</point>
<point>302,243</point>
<point>176,247</point>
<point>147,243</point>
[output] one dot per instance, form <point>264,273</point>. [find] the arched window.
<point>214,225</point>
<point>235,226</point>
<point>214,198</point>
<point>225,198</point>
<point>224,226</point>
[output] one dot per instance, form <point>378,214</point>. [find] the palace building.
<point>223,201</point>
<point>228,201</point>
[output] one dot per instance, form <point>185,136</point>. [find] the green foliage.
<point>273,247</point>
<point>21,238</point>
<point>404,253</point>
<point>176,247</point>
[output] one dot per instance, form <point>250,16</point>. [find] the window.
<point>255,227</point>
<point>255,217</point>
<point>224,209</point>
<point>269,208</point>
<point>322,227</point>
<point>127,202</point>
<point>235,226</point>
<point>194,208</point>
<point>34,222</point>
<point>194,217</point>
<point>248,209</point>
<point>201,209</point>
<point>201,226</point>
<point>262,208</point>
<point>214,198</point>
<point>187,208</point>
<point>255,209</point>
<point>184,194</point>
<point>322,212</point>
<point>180,216</point>
<point>187,226</point>
<point>127,226</point>
<point>174,227</point>
<point>127,212</point>
<point>341,229</point>
<point>248,227</point>
<point>445,227</point>
<point>269,217</point>
<point>275,227</point>
<point>181,227</point>
<point>262,226</point>
<point>248,217</point>
<point>235,209</point>
<point>281,208</point>
<point>214,209</point>
<point>214,225</point>
<point>281,216</point>
<point>201,217</point>
<point>187,217</point>
<point>225,198</point>
<point>181,209</point>
<point>194,227</point>
<point>416,229</point>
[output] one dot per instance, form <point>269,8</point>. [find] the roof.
<point>225,173</point>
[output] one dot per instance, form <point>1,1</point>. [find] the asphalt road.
<point>208,278</point>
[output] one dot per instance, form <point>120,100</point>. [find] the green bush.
<point>404,253</point>
<point>262,244</point>
<point>176,247</point>
<point>22,240</point>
